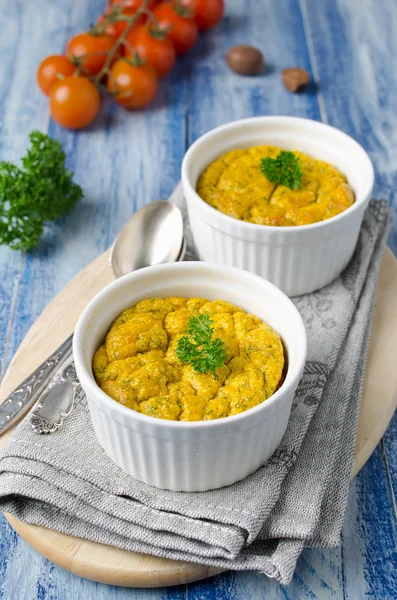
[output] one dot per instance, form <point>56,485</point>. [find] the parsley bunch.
<point>199,348</point>
<point>42,190</point>
<point>284,169</point>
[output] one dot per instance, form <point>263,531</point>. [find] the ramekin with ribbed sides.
<point>297,259</point>
<point>199,455</point>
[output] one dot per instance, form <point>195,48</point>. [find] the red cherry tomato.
<point>136,85</point>
<point>208,13</point>
<point>135,4</point>
<point>183,31</point>
<point>117,28</point>
<point>74,102</point>
<point>110,28</point>
<point>50,68</point>
<point>91,50</point>
<point>153,47</point>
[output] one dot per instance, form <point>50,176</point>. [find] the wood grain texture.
<point>371,556</point>
<point>380,352</point>
<point>350,51</point>
<point>126,160</point>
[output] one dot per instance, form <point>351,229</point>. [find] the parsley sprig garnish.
<point>42,190</point>
<point>284,169</point>
<point>199,348</point>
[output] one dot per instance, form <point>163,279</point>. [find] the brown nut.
<point>245,60</point>
<point>295,79</point>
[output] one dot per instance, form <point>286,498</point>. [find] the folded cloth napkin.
<point>65,481</point>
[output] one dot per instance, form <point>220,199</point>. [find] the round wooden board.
<point>119,567</point>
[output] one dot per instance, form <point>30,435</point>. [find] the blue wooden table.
<point>125,160</point>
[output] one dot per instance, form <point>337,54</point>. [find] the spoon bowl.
<point>152,236</point>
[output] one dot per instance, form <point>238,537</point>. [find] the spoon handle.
<point>28,392</point>
<point>57,401</point>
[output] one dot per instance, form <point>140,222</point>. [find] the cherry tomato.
<point>137,85</point>
<point>135,4</point>
<point>74,102</point>
<point>183,30</point>
<point>96,47</point>
<point>208,13</point>
<point>117,28</point>
<point>110,29</point>
<point>153,47</point>
<point>51,67</point>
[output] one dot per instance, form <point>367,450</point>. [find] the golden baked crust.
<point>137,365</point>
<point>235,185</point>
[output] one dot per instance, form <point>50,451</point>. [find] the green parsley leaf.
<point>199,348</point>
<point>42,190</point>
<point>284,169</point>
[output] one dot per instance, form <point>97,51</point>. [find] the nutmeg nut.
<point>245,60</point>
<point>295,79</point>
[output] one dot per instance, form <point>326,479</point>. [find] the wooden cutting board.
<point>119,567</point>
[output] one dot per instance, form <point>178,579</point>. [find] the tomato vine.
<point>131,46</point>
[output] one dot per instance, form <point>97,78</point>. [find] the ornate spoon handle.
<point>26,394</point>
<point>58,400</point>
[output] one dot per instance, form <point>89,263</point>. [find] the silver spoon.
<point>152,236</point>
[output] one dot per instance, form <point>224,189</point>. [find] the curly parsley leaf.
<point>199,348</point>
<point>42,190</point>
<point>284,169</point>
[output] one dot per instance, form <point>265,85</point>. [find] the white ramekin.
<point>194,455</point>
<point>300,259</point>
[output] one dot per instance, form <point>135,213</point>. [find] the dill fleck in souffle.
<point>189,359</point>
<point>269,186</point>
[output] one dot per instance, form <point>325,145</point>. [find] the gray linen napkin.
<point>66,482</point>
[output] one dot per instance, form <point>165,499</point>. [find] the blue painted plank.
<point>23,43</point>
<point>354,51</point>
<point>218,95</point>
<point>370,535</point>
<point>25,575</point>
<point>390,457</point>
<point>8,543</point>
